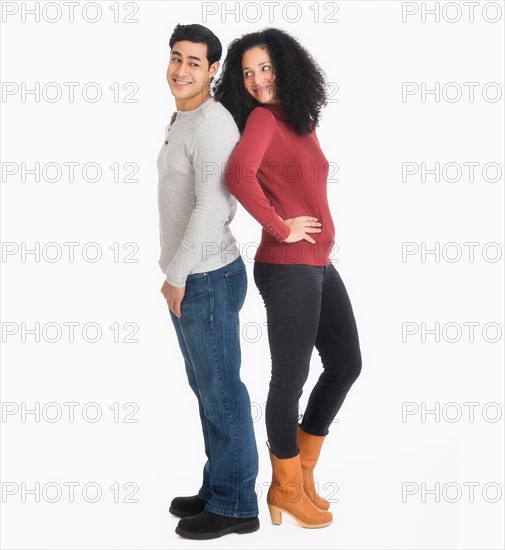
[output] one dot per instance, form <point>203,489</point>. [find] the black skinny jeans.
<point>306,306</point>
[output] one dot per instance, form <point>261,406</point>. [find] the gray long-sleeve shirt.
<point>195,206</point>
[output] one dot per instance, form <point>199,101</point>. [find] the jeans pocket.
<point>237,283</point>
<point>196,276</point>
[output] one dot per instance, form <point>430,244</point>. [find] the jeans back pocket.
<point>237,283</point>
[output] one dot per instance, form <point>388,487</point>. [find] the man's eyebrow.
<point>189,56</point>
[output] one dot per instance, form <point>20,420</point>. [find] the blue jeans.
<point>209,337</point>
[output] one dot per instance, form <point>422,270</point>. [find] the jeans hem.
<point>311,432</point>
<point>231,513</point>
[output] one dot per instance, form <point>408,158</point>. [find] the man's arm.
<point>213,143</point>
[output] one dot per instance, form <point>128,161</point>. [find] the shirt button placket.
<point>172,120</point>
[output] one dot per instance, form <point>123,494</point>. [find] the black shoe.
<point>208,525</point>
<point>184,507</point>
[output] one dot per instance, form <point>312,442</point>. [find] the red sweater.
<point>275,172</point>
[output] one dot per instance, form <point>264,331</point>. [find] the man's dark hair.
<point>198,33</point>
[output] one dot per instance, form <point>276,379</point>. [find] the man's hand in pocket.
<point>174,296</point>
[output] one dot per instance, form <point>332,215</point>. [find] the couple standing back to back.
<point>253,141</point>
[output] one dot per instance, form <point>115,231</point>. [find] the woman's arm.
<point>242,171</point>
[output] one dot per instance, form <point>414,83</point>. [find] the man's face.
<point>188,73</point>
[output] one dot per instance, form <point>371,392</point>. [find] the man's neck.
<point>193,102</point>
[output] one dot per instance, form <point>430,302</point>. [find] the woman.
<point>275,91</point>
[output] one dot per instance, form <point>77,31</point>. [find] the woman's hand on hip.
<point>300,227</point>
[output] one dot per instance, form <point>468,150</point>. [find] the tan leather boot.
<point>286,494</point>
<point>310,448</point>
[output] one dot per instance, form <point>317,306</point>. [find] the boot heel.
<point>275,514</point>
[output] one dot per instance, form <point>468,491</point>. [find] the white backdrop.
<point>99,429</point>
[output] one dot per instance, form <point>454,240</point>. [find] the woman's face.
<point>258,74</point>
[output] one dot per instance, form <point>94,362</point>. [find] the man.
<point>205,287</point>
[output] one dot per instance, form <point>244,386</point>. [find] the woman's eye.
<point>266,67</point>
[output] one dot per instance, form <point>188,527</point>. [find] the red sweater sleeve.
<point>242,170</point>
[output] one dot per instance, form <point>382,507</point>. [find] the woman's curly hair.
<point>300,85</point>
